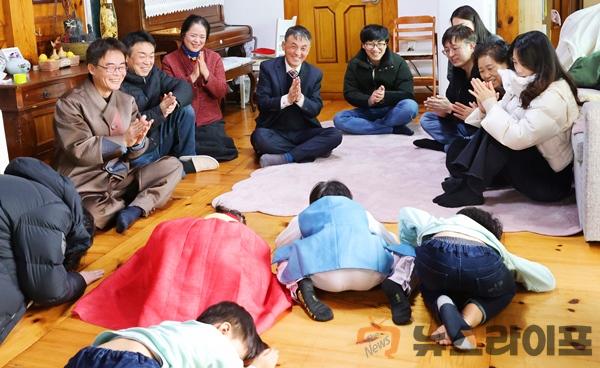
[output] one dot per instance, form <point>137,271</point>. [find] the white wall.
<point>442,10</point>
<point>260,14</point>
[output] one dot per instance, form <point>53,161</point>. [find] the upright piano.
<point>165,29</point>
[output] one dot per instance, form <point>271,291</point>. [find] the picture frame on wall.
<point>11,53</point>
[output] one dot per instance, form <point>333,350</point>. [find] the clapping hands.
<point>439,105</point>
<point>168,104</point>
<point>200,68</point>
<point>462,111</point>
<point>137,130</point>
<point>377,96</point>
<point>483,91</point>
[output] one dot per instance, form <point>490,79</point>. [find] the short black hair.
<point>483,218</point>
<point>329,188</point>
<point>495,48</point>
<point>98,49</point>
<point>459,32</point>
<point>235,213</point>
<point>374,32</point>
<point>195,19</point>
<point>136,37</point>
<point>241,322</point>
<point>297,32</point>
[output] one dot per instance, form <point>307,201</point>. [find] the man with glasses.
<point>98,131</point>
<point>162,98</point>
<point>289,99</point>
<point>445,118</point>
<point>379,83</point>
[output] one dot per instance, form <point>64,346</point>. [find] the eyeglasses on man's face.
<point>113,69</point>
<point>372,45</point>
<point>453,49</point>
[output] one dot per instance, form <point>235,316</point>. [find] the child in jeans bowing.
<point>461,263</point>
<point>223,336</point>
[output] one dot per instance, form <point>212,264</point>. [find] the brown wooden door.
<point>335,27</point>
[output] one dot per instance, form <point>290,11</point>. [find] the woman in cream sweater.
<point>526,137</point>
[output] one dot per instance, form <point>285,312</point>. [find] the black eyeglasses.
<point>371,45</point>
<point>111,69</point>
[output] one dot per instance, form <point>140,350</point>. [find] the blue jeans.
<point>93,357</point>
<point>376,120</point>
<point>304,145</point>
<point>445,130</point>
<point>176,137</point>
<point>466,272</point>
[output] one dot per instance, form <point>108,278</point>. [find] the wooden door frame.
<point>389,10</point>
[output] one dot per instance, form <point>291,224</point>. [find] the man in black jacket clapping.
<point>164,99</point>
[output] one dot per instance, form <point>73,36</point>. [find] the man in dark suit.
<point>289,100</point>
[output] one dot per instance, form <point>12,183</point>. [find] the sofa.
<point>586,164</point>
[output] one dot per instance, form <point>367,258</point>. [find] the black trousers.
<point>212,140</point>
<point>482,161</point>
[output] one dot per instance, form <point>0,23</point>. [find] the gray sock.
<point>269,159</point>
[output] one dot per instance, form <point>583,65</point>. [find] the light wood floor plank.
<point>47,338</point>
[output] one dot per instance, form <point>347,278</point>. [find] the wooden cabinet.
<point>28,110</point>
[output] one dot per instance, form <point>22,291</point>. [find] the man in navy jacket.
<point>289,100</point>
<point>162,98</point>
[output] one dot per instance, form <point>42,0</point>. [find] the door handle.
<point>374,2</point>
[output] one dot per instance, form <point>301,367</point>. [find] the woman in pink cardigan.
<point>203,69</point>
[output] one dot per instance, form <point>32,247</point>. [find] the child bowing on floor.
<point>336,245</point>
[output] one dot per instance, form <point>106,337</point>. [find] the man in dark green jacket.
<point>379,83</point>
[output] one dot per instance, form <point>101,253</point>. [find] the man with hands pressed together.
<point>379,83</point>
<point>162,98</point>
<point>98,131</point>
<point>445,118</point>
<point>289,99</point>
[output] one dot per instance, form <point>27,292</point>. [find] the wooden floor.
<point>361,334</point>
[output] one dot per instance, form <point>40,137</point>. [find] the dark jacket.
<point>273,82</point>
<point>148,91</point>
<point>458,89</point>
<point>392,72</point>
<point>41,223</point>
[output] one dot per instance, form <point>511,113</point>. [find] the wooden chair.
<point>414,38</point>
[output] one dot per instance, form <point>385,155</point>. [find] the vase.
<point>108,19</point>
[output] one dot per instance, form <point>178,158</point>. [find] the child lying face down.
<point>336,245</point>
<point>223,336</point>
<point>467,276</point>
<point>185,267</point>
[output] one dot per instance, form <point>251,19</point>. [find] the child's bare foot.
<point>441,336</point>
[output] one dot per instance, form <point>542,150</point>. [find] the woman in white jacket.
<point>526,137</point>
